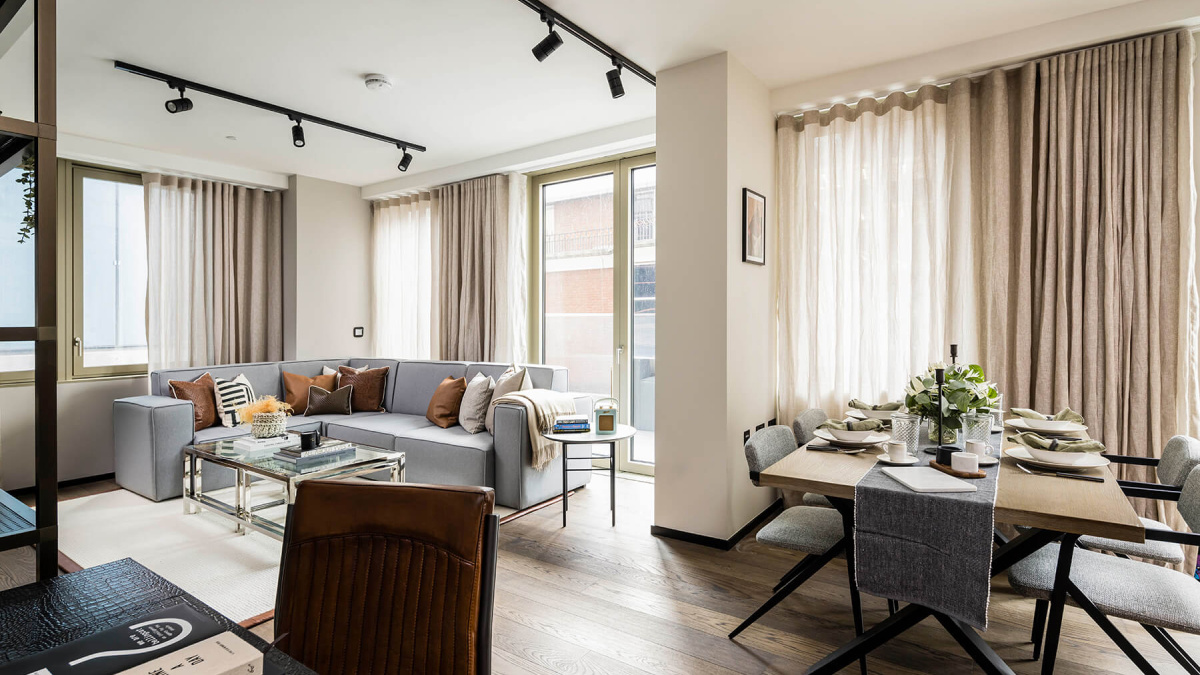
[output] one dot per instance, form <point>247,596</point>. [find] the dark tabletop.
<point>36,617</point>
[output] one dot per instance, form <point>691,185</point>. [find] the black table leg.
<point>564,457</point>
<point>612,480</point>
<point>976,648</point>
<point>1058,600</point>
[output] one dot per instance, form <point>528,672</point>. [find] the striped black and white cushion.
<point>231,395</point>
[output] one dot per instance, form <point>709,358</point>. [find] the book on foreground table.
<point>224,654</point>
<point>115,650</point>
<point>926,479</point>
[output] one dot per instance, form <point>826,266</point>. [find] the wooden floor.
<point>593,599</point>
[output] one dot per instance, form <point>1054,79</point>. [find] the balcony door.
<point>594,235</point>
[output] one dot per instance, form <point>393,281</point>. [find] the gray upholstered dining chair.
<point>1180,455</point>
<point>803,428</point>
<point>1158,598</point>
<point>817,532</point>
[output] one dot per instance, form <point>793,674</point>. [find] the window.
<point>107,330</point>
<point>17,248</point>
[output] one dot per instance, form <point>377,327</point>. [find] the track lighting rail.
<point>566,24</point>
<point>294,115</point>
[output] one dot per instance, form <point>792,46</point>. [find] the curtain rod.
<point>1009,65</point>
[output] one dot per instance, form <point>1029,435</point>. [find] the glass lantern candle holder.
<point>906,428</point>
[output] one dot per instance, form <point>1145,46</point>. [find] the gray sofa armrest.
<point>149,433</point>
<point>518,484</point>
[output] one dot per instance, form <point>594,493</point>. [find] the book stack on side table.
<point>302,459</point>
<point>572,424</point>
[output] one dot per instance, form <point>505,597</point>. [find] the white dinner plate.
<point>888,460</point>
<point>874,439</point>
<point>1019,424</point>
<point>1095,461</point>
<point>988,460</point>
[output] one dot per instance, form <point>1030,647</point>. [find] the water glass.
<point>998,411</point>
<point>906,428</point>
<point>977,427</point>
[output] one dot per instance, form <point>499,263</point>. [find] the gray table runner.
<point>931,549</point>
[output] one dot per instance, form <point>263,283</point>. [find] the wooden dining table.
<point>1046,506</point>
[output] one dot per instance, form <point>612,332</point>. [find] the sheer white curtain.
<point>402,245</point>
<point>874,282</point>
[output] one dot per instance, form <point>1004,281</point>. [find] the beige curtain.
<point>215,272</point>
<point>480,229</point>
<point>1076,173</point>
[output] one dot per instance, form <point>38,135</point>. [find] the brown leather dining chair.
<point>388,578</point>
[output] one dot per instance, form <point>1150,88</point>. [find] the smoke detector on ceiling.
<point>377,82</point>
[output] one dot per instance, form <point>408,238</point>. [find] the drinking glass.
<point>998,411</point>
<point>907,429</point>
<point>977,427</point>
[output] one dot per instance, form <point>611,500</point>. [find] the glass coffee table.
<point>252,468</point>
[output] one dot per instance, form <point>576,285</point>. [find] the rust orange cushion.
<point>443,407</point>
<point>202,392</point>
<point>295,389</point>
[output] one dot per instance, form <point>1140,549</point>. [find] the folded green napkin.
<point>1035,441</point>
<point>1064,415</point>
<point>859,405</point>
<point>852,425</point>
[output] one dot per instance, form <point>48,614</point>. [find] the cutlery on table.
<point>1059,474</point>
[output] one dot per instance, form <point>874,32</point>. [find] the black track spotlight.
<point>614,81</point>
<point>297,133</point>
<point>405,160</point>
<point>549,43</point>
<point>178,105</point>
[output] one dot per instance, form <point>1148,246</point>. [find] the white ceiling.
<point>465,82</point>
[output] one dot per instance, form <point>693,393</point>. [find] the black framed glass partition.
<point>28,258</point>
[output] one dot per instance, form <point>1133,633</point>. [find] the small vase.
<point>266,425</point>
<point>949,436</point>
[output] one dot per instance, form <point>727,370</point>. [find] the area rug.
<point>234,574</point>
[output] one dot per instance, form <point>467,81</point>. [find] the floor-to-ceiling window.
<point>594,287</point>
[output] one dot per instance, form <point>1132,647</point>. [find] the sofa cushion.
<point>443,407</point>
<point>447,456</point>
<point>370,364</point>
<point>295,388</point>
<point>540,377</point>
<point>416,381</point>
<point>203,394</point>
<point>325,402</point>
<point>377,430</point>
<point>264,377</point>
<point>369,387</point>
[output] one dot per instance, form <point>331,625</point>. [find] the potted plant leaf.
<point>965,390</point>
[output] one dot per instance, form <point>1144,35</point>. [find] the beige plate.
<point>874,439</point>
<point>1019,424</point>
<point>1022,455</point>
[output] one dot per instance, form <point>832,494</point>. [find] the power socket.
<point>746,436</point>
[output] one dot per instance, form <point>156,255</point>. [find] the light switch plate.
<point>358,331</point>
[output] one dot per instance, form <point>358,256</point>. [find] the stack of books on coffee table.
<point>301,459</point>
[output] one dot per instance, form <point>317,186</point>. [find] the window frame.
<point>71,360</point>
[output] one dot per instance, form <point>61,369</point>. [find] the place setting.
<point>1051,445</point>
<point>849,436</point>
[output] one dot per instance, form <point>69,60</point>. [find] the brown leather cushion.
<point>369,387</point>
<point>443,407</point>
<point>384,577</point>
<point>295,389</point>
<point>202,392</point>
<point>324,402</point>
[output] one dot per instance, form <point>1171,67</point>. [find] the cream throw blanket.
<point>542,406</point>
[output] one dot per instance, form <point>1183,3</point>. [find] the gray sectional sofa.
<point>149,432</point>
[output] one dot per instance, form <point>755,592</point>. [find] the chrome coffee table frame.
<point>248,467</point>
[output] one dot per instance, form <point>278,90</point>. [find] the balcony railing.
<point>594,242</point>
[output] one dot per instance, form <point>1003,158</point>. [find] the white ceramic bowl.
<point>1048,425</point>
<point>1058,457</point>
<point>879,414</point>
<point>850,436</point>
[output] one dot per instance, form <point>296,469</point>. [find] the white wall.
<point>326,269</point>
<point>715,326</point>
<point>84,428</point>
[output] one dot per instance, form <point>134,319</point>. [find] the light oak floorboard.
<point>596,600</point>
